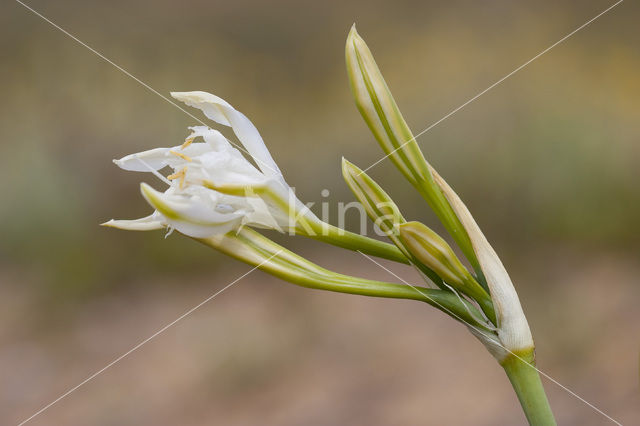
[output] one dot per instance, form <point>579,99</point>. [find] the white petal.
<point>215,139</point>
<point>206,102</point>
<point>191,215</point>
<point>221,112</point>
<point>155,159</point>
<point>262,216</point>
<point>222,163</point>
<point>148,223</point>
<point>279,208</point>
<point>193,151</point>
<point>513,329</point>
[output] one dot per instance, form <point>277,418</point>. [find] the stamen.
<point>186,143</point>
<point>181,155</point>
<point>182,174</point>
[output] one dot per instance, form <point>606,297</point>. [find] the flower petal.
<point>191,215</point>
<point>221,163</point>
<point>148,223</point>
<point>155,159</point>
<point>221,112</point>
<point>158,158</point>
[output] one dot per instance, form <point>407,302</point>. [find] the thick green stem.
<point>528,386</point>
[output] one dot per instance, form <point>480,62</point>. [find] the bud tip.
<point>149,193</point>
<point>353,35</point>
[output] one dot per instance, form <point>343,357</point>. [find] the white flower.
<point>213,188</point>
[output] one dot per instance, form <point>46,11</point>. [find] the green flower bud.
<point>433,251</point>
<point>378,205</point>
<point>430,249</point>
<point>382,115</point>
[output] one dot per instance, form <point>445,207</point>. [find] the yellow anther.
<point>186,143</point>
<point>182,174</point>
<point>181,155</point>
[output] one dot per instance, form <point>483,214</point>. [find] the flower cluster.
<point>218,192</point>
<point>213,188</point>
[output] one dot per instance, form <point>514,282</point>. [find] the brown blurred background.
<point>547,162</point>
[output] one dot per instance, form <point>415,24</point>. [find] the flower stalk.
<point>528,387</point>
<point>254,249</point>
<point>491,287</point>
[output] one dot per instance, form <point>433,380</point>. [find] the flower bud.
<point>382,115</point>
<point>378,205</point>
<point>433,251</point>
<point>379,110</point>
<point>430,249</point>
<point>384,213</point>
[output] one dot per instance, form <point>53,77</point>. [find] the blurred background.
<point>547,162</point>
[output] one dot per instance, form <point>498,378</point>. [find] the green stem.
<point>341,238</point>
<point>527,384</point>
<point>255,249</point>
